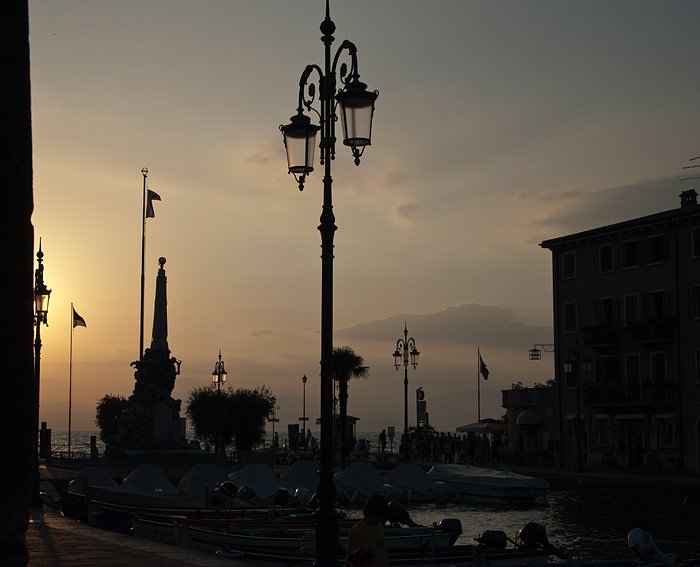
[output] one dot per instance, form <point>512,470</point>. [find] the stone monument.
<point>152,420</point>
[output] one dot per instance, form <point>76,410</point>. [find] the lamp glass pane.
<point>356,115</point>
<point>300,146</point>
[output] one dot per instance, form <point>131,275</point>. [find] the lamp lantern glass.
<point>587,365</point>
<point>41,302</point>
<point>300,142</point>
<point>356,112</point>
<point>535,354</point>
<point>568,366</point>
<point>304,379</point>
<point>414,357</point>
<point>397,358</point>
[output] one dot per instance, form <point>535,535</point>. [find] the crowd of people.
<point>472,448</point>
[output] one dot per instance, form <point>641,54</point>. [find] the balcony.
<point>614,393</point>
<point>652,332</point>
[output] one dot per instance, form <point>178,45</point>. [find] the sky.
<point>498,124</point>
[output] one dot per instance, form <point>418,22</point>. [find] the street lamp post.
<point>355,104</point>
<point>402,355</point>
<point>219,375</point>
<point>303,417</point>
<point>41,310</point>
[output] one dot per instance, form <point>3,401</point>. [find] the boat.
<point>477,484</point>
<point>286,540</point>
<point>417,547</point>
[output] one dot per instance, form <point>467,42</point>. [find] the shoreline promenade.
<point>57,541</point>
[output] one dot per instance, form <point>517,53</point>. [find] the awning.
<point>484,426</point>
<point>528,418</point>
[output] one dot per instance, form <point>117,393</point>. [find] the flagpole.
<point>70,377</point>
<point>478,385</point>
<point>144,172</point>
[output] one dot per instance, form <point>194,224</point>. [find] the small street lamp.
<point>535,353</point>
<point>303,417</point>
<point>274,419</point>
<point>355,104</point>
<point>402,355</point>
<point>219,375</point>
<point>41,311</point>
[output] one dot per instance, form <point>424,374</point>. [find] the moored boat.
<point>477,484</point>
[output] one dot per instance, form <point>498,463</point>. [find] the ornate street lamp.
<point>355,104</point>
<point>303,417</point>
<point>41,311</point>
<point>219,375</point>
<point>405,351</point>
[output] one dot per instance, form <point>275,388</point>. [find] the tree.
<point>346,365</point>
<point>251,408</point>
<point>109,415</point>
<point>219,417</point>
<point>210,413</point>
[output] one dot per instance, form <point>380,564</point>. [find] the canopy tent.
<point>484,426</point>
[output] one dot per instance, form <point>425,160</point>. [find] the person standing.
<point>368,533</point>
<point>382,441</point>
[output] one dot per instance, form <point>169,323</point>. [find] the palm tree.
<point>346,365</point>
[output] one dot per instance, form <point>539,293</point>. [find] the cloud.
<point>407,212</point>
<point>486,325</point>
<point>262,333</point>
<point>581,210</point>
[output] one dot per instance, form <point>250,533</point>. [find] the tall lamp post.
<point>219,375</point>
<point>569,365</point>
<point>41,310</point>
<point>402,355</point>
<point>355,104</point>
<point>303,417</point>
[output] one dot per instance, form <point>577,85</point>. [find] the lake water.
<point>592,520</point>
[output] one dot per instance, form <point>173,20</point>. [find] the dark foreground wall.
<point>16,292</point>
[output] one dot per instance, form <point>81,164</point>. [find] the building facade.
<point>626,302</point>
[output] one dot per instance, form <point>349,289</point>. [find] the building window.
<point>631,309</point>
<point>605,259</point>
<point>656,305</point>
<point>697,365</point>
<point>695,248</point>
<point>657,249</point>
<point>568,263</point>
<point>629,254</point>
<point>694,303</point>
<point>657,390</point>
<point>608,379</point>
<point>606,312</point>
<point>665,431</point>
<point>570,318</point>
<point>604,433</point>
<point>633,385</point>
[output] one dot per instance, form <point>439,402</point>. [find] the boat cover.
<point>259,477</point>
<point>151,479</point>
<point>467,473</point>
<point>411,477</point>
<point>201,478</point>
<point>302,474</point>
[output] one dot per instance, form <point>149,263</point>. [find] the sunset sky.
<point>498,124</point>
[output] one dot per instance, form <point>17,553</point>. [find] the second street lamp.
<point>219,375</point>
<point>405,351</point>
<point>303,417</point>
<point>356,106</point>
<point>41,311</point>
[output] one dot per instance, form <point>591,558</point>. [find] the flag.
<point>152,196</point>
<point>483,370</point>
<point>78,321</point>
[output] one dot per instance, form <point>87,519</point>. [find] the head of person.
<point>376,509</point>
